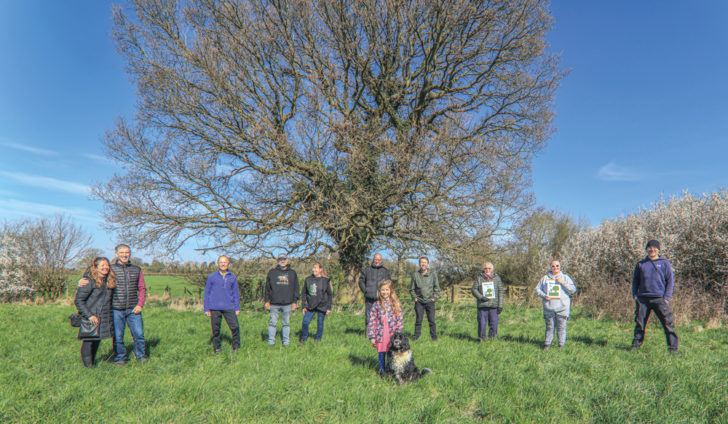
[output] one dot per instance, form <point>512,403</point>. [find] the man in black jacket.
<point>281,294</point>
<point>369,281</point>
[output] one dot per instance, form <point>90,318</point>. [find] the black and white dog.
<point>400,364</point>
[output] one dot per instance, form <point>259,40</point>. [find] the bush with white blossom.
<point>13,281</point>
<point>693,233</point>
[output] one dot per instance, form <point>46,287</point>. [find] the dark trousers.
<point>88,352</point>
<point>428,307</point>
<point>382,358</point>
<point>487,317</point>
<point>368,303</point>
<point>232,322</point>
<point>643,307</point>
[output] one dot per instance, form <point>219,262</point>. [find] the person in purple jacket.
<point>652,286</point>
<point>222,299</point>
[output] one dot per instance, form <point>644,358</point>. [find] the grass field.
<point>593,379</point>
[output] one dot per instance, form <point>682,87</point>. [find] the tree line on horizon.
<point>693,231</point>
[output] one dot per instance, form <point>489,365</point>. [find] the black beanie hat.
<point>653,243</point>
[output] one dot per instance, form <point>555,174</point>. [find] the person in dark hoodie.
<point>316,298</point>
<point>652,287</point>
<point>281,295</point>
<point>93,302</point>
<point>369,281</point>
<point>222,299</point>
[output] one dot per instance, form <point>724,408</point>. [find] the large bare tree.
<point>305,125</point>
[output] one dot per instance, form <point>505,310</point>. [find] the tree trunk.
<point>349,292</point>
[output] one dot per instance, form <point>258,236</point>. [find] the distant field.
<point>511,380</point>
<point>156,285</point>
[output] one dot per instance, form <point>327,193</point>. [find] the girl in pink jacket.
<point>385,318</point>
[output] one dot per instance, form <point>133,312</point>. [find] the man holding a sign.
<point>555,289</point>
<point>488,292</point>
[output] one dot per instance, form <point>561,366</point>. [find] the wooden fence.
<point>461,292</point>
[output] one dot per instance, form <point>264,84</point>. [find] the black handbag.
<point>75,320</point>
<point>88,330</point>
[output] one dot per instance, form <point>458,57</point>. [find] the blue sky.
<point>642,113</point>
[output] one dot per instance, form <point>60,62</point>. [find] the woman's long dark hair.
<point>96,276</point>
<point>321,267</point>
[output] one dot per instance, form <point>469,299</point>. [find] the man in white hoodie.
<point>555,288</point>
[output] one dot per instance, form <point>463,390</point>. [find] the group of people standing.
<point>281,294</point>
<point>652,289</point>
<point>113,295</point>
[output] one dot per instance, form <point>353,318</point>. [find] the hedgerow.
<point>693,232</point>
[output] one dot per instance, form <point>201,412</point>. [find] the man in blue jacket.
<point>652,287</point>
<point>222,299</point>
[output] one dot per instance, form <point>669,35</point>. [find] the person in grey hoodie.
<point>489,303</point>
<point>369,281</point>
<point>555,288</point>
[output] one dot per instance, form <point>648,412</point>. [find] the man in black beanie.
<point>652,287</point>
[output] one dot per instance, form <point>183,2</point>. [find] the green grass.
<point>593,379</point>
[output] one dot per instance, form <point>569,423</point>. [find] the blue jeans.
<point>136,327</point>
<point>307,317</point>
<point>275,311</point>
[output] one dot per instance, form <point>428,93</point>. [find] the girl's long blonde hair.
<point>98,279</point>
<point>393,299</point>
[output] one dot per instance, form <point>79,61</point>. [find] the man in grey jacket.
<point>425,290</point>
<point>369,281</point>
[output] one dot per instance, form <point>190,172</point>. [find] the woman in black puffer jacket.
<point>93,302</point>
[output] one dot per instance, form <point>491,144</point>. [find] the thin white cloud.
<point>47,183</point>
<point>12,208</point>
<point>97,158</point>
<point>613,172</point>
<point>29,149</point>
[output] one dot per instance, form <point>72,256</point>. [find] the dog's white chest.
<point>400,361</point>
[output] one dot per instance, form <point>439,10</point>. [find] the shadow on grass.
<point>522,339</point>
<point>589,341</point>
<point>350,330</point>
<point>463,336</point>
<point>368,362</point>
<point>109,355</point>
